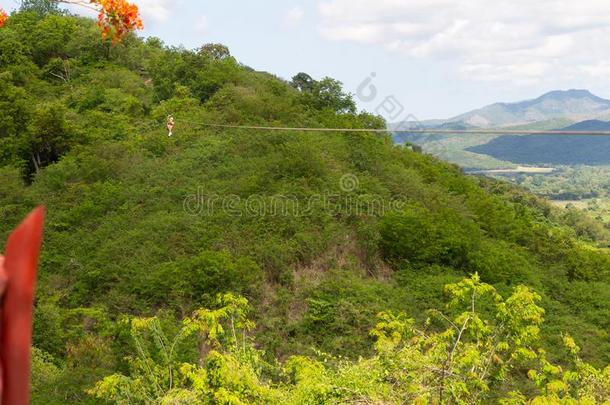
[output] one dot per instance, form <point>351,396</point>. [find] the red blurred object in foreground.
<point>17,283</point>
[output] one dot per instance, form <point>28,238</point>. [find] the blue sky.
<point>437,58</point>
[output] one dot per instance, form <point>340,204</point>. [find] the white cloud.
<point>293,17</point>
<point>157,10</point>
<point>498,40</point>
<point>203,25</point>
<point>598,70</point>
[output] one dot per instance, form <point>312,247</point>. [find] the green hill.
<point>319,231</point>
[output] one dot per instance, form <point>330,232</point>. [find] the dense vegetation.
<point>236,266</point>
<point>582,189</point>
<point>569,183</point>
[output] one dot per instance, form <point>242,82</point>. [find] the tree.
<point>50,138</point>
<point>328,94</point>
<point>303,82</point>
<point>40,7</point>
<point>15,116</point>
<point>215,51</point>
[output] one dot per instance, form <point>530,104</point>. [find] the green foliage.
<point>215,51</point>
<point>303,82</point>
<point>44,372</point>
<point>200,278</point>
<point>419,237</point>
<point>51,135</point>
<point>41,7</point>
<point>460,364</point>
<point>500,262</point>
<point>227,371</point>
<point>328,94</point>
<point>587,263</point>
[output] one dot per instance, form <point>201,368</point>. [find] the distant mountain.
<point>569,110</point>
<point>589,125</point>
<point>576,105</point>
<point>553,150</point>
<point>569,105</point>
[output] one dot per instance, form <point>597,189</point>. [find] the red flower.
<point>3,17</point>
<point>17,283</point>
<point>118,17</point>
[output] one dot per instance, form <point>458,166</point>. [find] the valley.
<point>559,168</point>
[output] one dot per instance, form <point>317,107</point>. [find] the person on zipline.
<point>170,125</point>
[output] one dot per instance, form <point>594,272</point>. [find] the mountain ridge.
<point>548,149</point>
<point>574,105</point>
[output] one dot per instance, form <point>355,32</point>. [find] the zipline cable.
<point>412,131</point>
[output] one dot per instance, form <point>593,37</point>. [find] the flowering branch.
<point>3,17</point>
<point>116,18</point>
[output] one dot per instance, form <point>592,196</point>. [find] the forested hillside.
<point>240,266</point>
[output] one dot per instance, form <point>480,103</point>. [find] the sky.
<point>405,59</point>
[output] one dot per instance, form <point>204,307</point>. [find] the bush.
<point>418,237</point>
<point>197,280</point>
